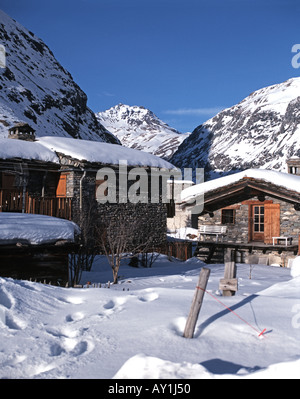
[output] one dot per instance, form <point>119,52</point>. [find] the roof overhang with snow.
<point>24,150</point>
<point>55,149</point>
<point>94,152</point>
<point>241,186</point>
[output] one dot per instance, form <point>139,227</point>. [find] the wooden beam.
<point>197,303</point>
<point>228,285</point>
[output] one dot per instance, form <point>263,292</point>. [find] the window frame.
<point>225,218</point>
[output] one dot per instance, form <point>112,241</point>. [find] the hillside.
<point>36,89</point>
<point>263,130</point>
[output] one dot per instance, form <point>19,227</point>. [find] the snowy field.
<point>133,330</point>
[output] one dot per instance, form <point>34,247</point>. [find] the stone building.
<point>293,166</point>
<point>178,218</point>
<point>261,212</point>
<point>61,177</point>
<point>22,131</point>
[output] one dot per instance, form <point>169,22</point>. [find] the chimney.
<point>21,131</point>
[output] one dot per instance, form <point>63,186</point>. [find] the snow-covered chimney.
<point>293,165</point>
<point>21,131</point>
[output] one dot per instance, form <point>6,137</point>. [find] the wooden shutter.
<point>272,222</point>
<point>8,181</point>
<point>61,190</point>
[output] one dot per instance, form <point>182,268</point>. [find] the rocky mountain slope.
<point>263,130</point>
<point>36,89</point>
<point>137,127</point>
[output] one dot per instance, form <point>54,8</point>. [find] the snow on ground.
<point>184,233</point>
<point>134,329</point>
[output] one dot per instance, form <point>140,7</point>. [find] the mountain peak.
<point>138,127</point>
<point>260,131</point>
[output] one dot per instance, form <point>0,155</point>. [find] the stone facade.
<point>238,232</point>
<point>146,221</point>
<point>181,217</point>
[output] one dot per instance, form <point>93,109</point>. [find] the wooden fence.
<point>15,201</point>
<point>182,250</point>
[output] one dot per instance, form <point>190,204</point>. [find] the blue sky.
<point>183,59</point>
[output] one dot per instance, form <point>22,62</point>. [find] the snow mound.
<point>35,229</point>
<point>149,367</point>
<point>295,269</point>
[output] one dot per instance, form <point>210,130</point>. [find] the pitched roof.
<point>104,153</point>
<point>266,178</point>
<point>46,148</point>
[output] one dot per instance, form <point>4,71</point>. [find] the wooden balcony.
<point>15,201</point>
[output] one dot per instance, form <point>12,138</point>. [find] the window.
<point>171,209</point>
<point>228,216</point>
<point>259,219</point>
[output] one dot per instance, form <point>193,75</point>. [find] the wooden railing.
<point>15,201</point>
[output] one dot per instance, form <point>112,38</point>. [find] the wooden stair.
<point>210,254</point>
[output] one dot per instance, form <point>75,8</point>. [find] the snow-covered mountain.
<point>263,130</point>
<point>137,127</point>
<point>36,89</point>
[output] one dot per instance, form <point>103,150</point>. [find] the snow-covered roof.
<point>286,180</point>
<point>98,152</point>
<point>12,148</point>
<point>46,149</point>
<point>35,229</point>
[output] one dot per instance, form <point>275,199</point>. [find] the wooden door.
<point>258,222</point>
<point>272,222</point>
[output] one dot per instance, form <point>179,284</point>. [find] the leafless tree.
<point>83,258</point>
<point>120,239</point>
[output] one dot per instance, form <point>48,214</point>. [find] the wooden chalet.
<point>29,176</point>
<point>259,211</point>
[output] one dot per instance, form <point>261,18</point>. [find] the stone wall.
<point>144,221</point>
<point>238,232</point>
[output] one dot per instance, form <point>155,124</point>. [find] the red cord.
<point>261,333</point>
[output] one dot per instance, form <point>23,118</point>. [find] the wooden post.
<point>229,283</point>
<point>197,303</point>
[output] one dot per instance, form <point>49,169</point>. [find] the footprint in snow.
<point>74,317</point>
<point>115,304</point>
<point>5,299</point>
<point>148,296</point>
